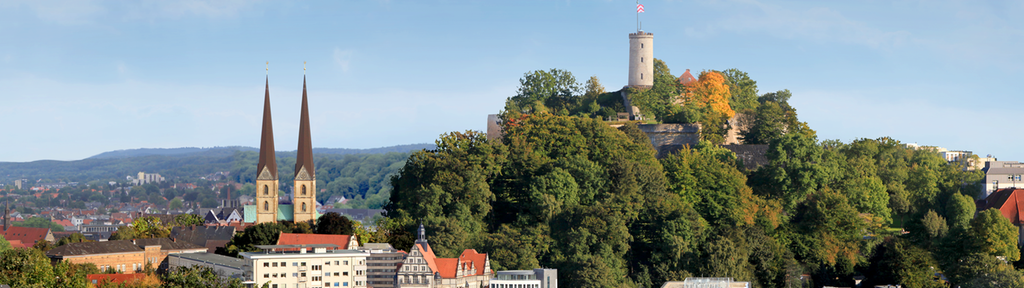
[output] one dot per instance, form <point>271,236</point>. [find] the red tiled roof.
<point>1010,203</point>
<point>25,234</point>
<point>470,256</point>
<point>295,239</point>
<point>686,78</point>
<point>114,278</point>
<point>17,244</point>
<point>64,222</point>
<point>447,267</point>
<point>428,255</point>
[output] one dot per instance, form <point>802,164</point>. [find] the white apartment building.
<point>536,278</point>
<point>305,266</point>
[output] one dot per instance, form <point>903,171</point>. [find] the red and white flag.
<point>639,8</point>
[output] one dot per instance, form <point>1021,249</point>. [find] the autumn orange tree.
<point>706,101</point>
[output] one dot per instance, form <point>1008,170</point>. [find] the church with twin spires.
<point>303,204</point>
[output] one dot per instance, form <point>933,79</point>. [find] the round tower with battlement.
<point>641,59</point>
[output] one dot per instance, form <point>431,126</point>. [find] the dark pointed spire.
<point>304,155</point>
<point>267,157</point>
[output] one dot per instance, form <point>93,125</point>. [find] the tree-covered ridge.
<point>187,163</point>
<point>563,190</point>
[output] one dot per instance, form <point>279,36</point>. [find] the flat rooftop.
<point>212,258</point>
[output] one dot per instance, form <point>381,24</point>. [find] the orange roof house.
<point>1010,203</point>
<point>686,78</point>
<point>28,235</point>
<point>343,241</point>
<point>471,268</point>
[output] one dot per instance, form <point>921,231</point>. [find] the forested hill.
<point>170,163</point>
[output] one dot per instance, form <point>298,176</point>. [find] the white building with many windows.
<point>305,266</point>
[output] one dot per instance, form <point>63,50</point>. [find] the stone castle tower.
<point>266,179</point>
<point>641,59</point>
<point>305,173</point>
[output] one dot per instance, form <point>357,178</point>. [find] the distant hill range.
<point>171,163</point>
<point>193,150</point>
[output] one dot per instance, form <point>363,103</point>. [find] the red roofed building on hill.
<point>28,235</point>
<point>422,268</point>
<point>344,242</point>
<point>1010,202</point>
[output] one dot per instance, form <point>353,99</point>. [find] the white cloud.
<point>343,58</point>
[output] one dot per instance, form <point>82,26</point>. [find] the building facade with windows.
<point>304,266</point>
<point>422,269</point>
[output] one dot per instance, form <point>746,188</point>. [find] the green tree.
<point>40,222</point>
<point>25,268</point>
<point>797,167</point>
<point>4,244</point>
<point>259,234</point>
<point>184,220</point>
<point>73,238</point>
<point>540,91</point>
<point>334,223</point>
<point>742,90</point>
<point>714,186</point>
<point>828,232</point>
<point>995,235</point>
<point>176,203</point>
<point>959,211</point>
<point>197,276</point>
<point>898,261</point>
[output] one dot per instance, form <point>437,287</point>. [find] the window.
<point>266,264</point>
<point>266,190</point>
<point>284,264</point>
<point>303,189</point>
<point>318,278</point>
<point>335,262</point>
<point>273,286</point>
<point>275,275</point>
<point>641,59</point>
<point>344,273</point>
<point>318,267</point>
<point>641,75</point>
<point>415,268</point>
<point>295,264</point>
<point>302,263</point>
<point>303,206</point>
<point>266,206</point>
<point>303,274</point>
<point>344,284</point>
<point>328,263</point>
<point>336,273</point>
<point>266,275</point>
<point>275,264</point>
<point>344,262</point>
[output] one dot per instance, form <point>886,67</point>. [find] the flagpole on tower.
<point>638,16</point>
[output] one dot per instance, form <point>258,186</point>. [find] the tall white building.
<point>305,266</point>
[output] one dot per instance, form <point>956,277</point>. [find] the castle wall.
<point>668,138</point>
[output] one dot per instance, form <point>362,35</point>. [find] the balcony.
<point>302,268</point>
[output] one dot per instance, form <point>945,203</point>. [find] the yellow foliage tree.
<point>709,92</point>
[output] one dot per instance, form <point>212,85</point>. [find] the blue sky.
<point>78,78</point>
